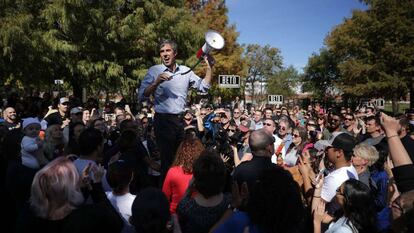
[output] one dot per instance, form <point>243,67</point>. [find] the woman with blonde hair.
<point>54,143</point>
<point>57,201</point>
<point>181,171</point>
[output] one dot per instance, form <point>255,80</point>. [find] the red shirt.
<point>175,184</point>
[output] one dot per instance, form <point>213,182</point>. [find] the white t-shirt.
<point>341,226</point>
<point>335,179</point>
<point>123,205</point>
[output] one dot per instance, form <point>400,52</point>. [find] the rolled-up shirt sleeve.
<point>198,83</point>
<point>149,78</point>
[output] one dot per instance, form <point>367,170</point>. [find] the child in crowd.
<point>31,145</point>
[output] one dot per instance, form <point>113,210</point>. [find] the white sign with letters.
<point>58,81</point>
<point>229,81</point>
<point>275,99</point>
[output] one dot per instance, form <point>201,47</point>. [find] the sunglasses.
<point>296,135</point>
<point>349,119</point>
<point>65,103</point>
<point>267,124</point>
<point>231,130</point>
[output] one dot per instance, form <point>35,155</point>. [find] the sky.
<point>296,27</point>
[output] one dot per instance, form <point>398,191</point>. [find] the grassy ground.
<point>401,107</point>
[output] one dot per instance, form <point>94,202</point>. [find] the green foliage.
<point>106,45</point>
<point>321,73</point>
<point>283,82</point>
<point>375,50</point>
<point>262,63</point>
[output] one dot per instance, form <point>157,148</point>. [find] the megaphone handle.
<point>198,62</point>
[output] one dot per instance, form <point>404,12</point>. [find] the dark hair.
<point>126,124</point>
<point>89,140</point>
<point>72,127</point>
<point>127,140</point>
<point>359,206</point>
<point>383,151</point>
<point>150,211</point>
<point>376,119</point>
<point>275,203</point>
<point>119,176</point>
<point>209,174</point>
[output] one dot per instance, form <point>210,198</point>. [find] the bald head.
<point>9,115</point>
<point>259,142</point>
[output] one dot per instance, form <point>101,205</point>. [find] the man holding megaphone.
<point>169,83</point>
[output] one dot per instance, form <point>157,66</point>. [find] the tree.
<point>321,74</point>
<point>262,63</point>
<point>375,49</point>
<point>212,14</point>
<point>284,82</point>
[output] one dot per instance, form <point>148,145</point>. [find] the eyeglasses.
<point>267,124</point>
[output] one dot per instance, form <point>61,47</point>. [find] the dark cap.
<point>339,140</point>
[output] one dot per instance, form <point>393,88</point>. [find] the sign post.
<point>229,81</point>
<point>275,99</point>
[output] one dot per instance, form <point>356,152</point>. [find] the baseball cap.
<point>63,100</point>
<point>339,140</point>
<point>76,110</point>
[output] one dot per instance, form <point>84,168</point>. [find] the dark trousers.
<point>169,132</point>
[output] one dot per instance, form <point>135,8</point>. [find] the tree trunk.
<point>394,105</point>
<point>412,95</point>
<point>77,87</point>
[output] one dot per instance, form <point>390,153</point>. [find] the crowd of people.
<point>266,169</point>
<point>171,166</point>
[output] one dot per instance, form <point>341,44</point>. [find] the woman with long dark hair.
<point>359,214</point>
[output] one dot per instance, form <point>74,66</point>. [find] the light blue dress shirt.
<point>171,96</point>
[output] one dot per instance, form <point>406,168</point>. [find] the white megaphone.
<point>213,41</point>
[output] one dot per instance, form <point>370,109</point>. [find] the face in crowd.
<point>268,114</point>
<point>348,120</point>
<point>269,125</point>
<point>334,122</point>
<point>63,107</point>
<point>283,128</point>
<point>10,114</point>
<point>236,113</point>
<point>257,116</point>
<point>203,113</point>
<point>372,126</point>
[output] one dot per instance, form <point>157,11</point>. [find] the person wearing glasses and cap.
<point>58,115</point>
